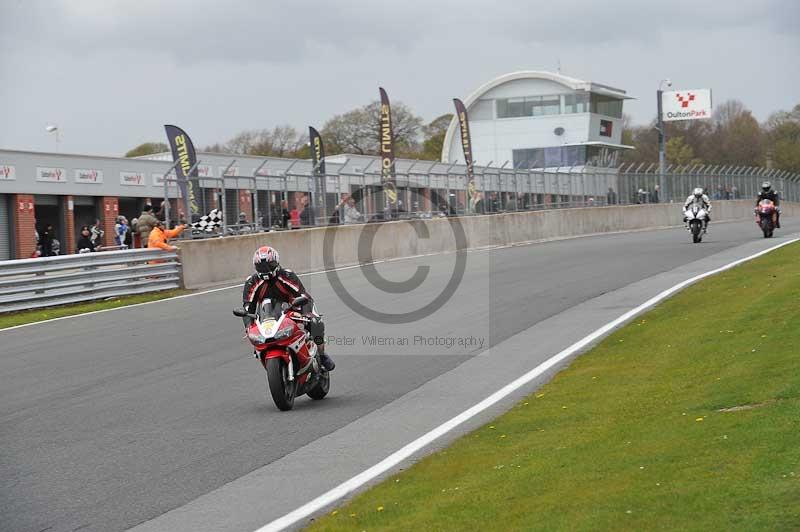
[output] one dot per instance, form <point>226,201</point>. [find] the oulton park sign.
<point>686,105</point>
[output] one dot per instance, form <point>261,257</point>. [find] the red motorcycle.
<point>287,352</point>
<point>766,217</point>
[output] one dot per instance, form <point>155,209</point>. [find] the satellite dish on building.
<point>559,131</point>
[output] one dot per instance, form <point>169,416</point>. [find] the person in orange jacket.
<point>159,235</point>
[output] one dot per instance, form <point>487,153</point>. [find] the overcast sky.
<point>111,73</point>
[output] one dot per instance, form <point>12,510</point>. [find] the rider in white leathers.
<point>698,196</point>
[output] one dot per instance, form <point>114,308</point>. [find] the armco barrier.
<point>48,281</point>
<point>224,260</point>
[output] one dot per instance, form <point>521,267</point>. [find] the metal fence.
<point>288,200</point>
<point>48,281</point>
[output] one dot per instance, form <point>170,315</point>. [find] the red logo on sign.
<point>685,99</point>
<point>6,171</point>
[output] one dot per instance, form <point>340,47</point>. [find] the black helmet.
<point>766,186</point>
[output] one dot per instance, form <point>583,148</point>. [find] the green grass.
<point>632,435</point>
<point>30,316</point>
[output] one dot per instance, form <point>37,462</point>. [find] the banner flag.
<point>318,163</point>
<point>466,143</point>
<point>183,152</point>
<point>386,142</point>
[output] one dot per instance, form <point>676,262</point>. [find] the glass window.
<point>516,107</point>
<point>552,157</point>
<point>529,158</point>
<point>574,155</point>
<point>607,106</point>
<point>576,103</point>
<point>551,105</point>
<point>529,106</point>
<point>502,108</point>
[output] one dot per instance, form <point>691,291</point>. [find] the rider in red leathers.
<point>272,281</point>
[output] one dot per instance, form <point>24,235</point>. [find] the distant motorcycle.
<point>766,217</point>
<point>695,219</point>
<point>288,353</point>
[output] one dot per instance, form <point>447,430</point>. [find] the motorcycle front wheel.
<point>697,229</point>
<point>280,387</point>
<point>766,227</point>
<point>321,389</point>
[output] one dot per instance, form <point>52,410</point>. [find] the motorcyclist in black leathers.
<point>774,197</point>
<point>272,281</point>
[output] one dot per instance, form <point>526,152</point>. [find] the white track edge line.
<point>408,450</point>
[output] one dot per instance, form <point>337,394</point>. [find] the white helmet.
<point>266,261</point>
<point>698,192</point>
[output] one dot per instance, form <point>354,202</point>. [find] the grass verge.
<point>30,316</point>
<point>686,419</point>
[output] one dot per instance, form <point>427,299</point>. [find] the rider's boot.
<point>326,361</point>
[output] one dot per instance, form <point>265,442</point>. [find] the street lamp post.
<point>53,129</point>
<point>662,141</point>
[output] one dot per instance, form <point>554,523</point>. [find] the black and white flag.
<point>209,222</point>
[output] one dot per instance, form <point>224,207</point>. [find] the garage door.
<point>5,229</point>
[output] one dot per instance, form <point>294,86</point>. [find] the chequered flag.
<point>209,222</point>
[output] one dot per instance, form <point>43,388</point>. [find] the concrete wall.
<point>224,260</point>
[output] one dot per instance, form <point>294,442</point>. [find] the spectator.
<point>642,196</point>
<point>494,202</point>
<point>511,204</point>
<point>46,240</point>
<point>132,236</point>
<point>655,196</point>
<point>120,231</point>
<point>55,248</point>
<point>307,214</point>
<point>85,244</point>
<point>611,197</point>
<point>351,213</point>
<point>97,233</point>
<point>160,234</point>
<point>727,192</point>
<point>146,223</point>
<point>243,225</point>
<point>286,216</point>
<point>734,192</point>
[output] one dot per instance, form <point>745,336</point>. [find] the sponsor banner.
<point>691,104</point>
<point>183,152</point>
<point>606,126</point>
<point>7,172</point>
<point>158,180</point>
<point>233,170</point>
<point>386,142</point>
<point>205,170</point>
<point>51,175</point>
<point>466,143</point>
<point>318,163</point>
<point>132,179</point>
<point>84,175</point>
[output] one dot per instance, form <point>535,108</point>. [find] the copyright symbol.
<point>364,248</point>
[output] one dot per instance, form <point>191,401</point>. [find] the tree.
<point>358,131</point>
<point>281,141</point>
<point>148,148</point>
<point>680,153</point>
<point>433,135</point>
<point>783,139</point>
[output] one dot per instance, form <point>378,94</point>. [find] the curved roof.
<point>572,83</point>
